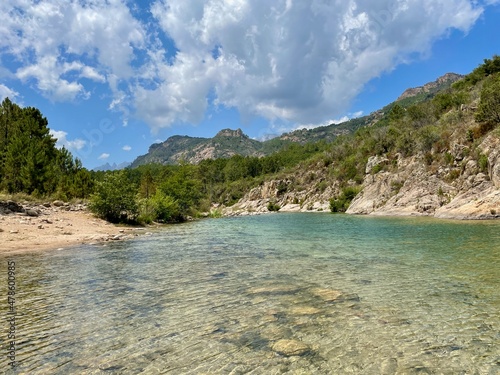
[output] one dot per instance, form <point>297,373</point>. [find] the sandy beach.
<point>57,227</point>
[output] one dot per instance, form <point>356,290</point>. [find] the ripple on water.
<point>315,294</point>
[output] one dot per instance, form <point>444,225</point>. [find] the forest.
<point>31,164</point>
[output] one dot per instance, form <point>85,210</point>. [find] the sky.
<point>113,77</point>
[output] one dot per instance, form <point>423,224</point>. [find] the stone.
<point>327,295</point>
<point>305,310</point>
<point>32,212</point>
<point>289,348</point>
<point>58,203</point>
<point>274,289</point>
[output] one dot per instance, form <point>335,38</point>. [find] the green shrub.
<point>273,207</point>
<point>321,186</point>
<point>114,198</point>
<point>483,163</point>
<point>489,105</point>
<point>343,201</point>
<point>165,208</point>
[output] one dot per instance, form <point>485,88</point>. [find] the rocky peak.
<point>238,133</point>
<point>446,79</point>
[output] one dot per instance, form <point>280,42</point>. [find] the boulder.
<point>58,203</point>
<point>32,212</point>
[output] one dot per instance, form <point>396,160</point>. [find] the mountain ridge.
<point>228,142</point>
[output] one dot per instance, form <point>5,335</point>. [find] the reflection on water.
<point>275,294</point>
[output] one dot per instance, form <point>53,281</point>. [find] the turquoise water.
<point>410,296</point>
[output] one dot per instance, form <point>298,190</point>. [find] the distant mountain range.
<point>112,167</point>
<point>227,142</point>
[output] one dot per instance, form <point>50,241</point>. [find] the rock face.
<point>458,191</point>
<point>442,81</point>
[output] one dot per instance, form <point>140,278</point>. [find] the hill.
<point>226,143</point>
<point>229,142</point>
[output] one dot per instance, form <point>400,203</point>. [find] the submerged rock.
<point>274,289</point>
<point>289,348</point>
<point>305,310</point>
<point>327,295</point>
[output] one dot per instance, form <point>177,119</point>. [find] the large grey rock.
<point>32,212</point>
<point>58,203</point>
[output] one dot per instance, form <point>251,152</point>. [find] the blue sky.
<point>115,76</point>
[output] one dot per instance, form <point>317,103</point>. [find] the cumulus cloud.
<point>57,44</point>
<point>62,140</point>
<point>298,62</point>
<point>103,156</point>
<point>126,148</point>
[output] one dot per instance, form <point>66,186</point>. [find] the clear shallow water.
<point>419,296</point>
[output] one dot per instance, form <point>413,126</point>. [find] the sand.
<point>56,229</point>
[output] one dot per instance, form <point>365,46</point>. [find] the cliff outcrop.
<point>462,190</point>
<point>403,186</point>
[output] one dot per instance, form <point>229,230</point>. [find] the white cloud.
<point>6,92</point>
<point>290,61</point>
<point>126,148</point>
<point>59,43</point>
<point>301,62</point>
<point>103,156</point>
<point>62,140</point>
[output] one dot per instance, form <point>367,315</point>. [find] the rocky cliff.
<point>401,187</point>
<point>459,191</point>
<point>431,87</point>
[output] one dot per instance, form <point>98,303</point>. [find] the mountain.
<point>112,167</point>
<point>225,144</point>
<point>229,142</point>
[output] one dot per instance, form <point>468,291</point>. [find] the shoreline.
<point>54,228</point>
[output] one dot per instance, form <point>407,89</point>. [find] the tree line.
<point>30,163</point>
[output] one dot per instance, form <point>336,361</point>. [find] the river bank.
<point>25,228</point>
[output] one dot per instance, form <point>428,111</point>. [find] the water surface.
<point>417,296</point>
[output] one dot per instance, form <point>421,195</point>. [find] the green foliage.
<point>483,163</point>
<point>343,201</point>
<point>273,207</point>
<point>114,198</point>
<point>165,208</point>
<point>397,113</point>
<point>489,67</point>
<point>489,106</point>
<point>29,161</point>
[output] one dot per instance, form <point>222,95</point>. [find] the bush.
<point>343,201</point>
<point>489,106</point>
<point>165,208</point>
<point>114,199</point>
<point>483,163</point>
<point>273,207</point>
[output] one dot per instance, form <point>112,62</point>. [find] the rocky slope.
<point>459,191</point>
<point>403,187</point>
<point>431,87</point>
